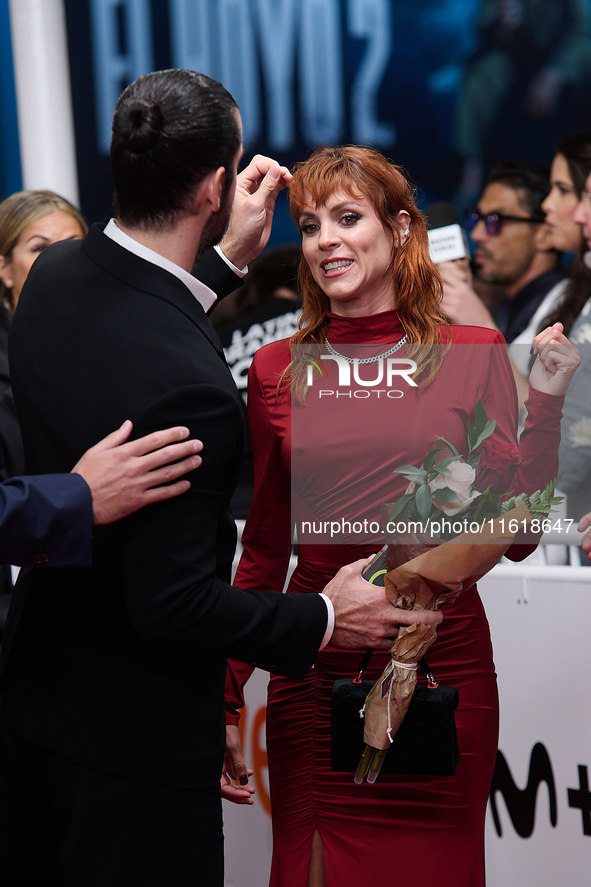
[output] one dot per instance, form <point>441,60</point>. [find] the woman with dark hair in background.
<point>574,311</point>
<point>568,303</point>
<point>563,302</point>
<point>369,291</point>
<point>570,168</point>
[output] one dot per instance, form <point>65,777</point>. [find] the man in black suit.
<point>113,708</point>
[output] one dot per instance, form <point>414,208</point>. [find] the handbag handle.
<point>363,665</point>
<point>423,665</point>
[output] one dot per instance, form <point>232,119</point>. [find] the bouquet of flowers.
<point>451,555</point>
<point>447,486</point>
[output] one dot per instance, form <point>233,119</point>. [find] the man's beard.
<point>216,225</point>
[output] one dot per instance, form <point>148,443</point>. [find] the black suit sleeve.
<point>217,274</point>
<point>46,520</point>
<point>173,567</point>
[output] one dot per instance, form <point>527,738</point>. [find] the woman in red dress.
<point>329,425</point>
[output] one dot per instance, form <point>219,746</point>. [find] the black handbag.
<point>426,742</point>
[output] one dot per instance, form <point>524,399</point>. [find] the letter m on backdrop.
<point>521,803</point>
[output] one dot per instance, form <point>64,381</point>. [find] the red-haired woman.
<point>325,447</point>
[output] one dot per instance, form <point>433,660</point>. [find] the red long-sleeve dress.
<point>330,459</point>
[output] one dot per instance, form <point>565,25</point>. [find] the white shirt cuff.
<point>241,272</point>
<point>329,623</point>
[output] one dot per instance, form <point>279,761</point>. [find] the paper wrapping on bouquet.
<point>428,582</point>
<point>390,696</point>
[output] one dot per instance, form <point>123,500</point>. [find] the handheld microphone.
<point>447,241</point>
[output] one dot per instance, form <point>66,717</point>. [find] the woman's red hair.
<point>362,172</point>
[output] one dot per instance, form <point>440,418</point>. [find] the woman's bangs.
<point>315,184</point>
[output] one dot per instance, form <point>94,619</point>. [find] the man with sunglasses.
<point>511,250</point>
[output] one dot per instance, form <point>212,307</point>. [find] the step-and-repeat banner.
<point>445,87</point>
<point>539,816</point>
<point>410,78</point>
<point>439,85</point>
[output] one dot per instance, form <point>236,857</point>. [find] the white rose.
<point>460,479</point>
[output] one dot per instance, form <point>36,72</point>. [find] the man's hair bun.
<point>170,130</point>
<point>140,123</point>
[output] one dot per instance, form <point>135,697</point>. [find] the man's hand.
<point>364,617</point>
<point>250,224</point>
<point>124,477</point>
<point>235,769</point>
<point>557,361</point>
<point>460,301</point>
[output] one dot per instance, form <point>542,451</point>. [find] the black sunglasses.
<point>493,222</point>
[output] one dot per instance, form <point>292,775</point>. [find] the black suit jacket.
<point>121,667</point>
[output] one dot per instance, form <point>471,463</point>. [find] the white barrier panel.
<point>540,621</point>
<point>540,624</point>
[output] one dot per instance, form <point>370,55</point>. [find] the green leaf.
<point>417,479</point>
<point>441,467</point>
<point>450,445</point>
<point>408,469</point>
<point>430,458</point>
<point>400,505</point>
<point>480,417</point>
<point>486,432</point>
<point>472,435</point>
<point>423,502</point>
<point>411,512</point>
<point>446,495</point>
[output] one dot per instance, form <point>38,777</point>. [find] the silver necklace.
<point>353,360</point>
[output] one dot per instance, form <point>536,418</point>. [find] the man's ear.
<point>212,188</point>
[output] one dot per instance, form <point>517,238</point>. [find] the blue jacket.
<point>46,519</point>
